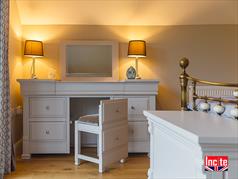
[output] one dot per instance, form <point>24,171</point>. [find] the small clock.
<point>131,73</point>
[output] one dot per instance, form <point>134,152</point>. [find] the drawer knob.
<point>47,107</point>
<point>47,132</point>
<point>117,110</point>
<point>117,138</point>
<point>132,107</point>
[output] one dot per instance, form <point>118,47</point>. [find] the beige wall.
<point>212,50</point>
<point>15,67</point>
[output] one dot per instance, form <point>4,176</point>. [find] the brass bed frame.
<point>184,81</point>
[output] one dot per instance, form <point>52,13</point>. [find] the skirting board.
<point>18,147</point>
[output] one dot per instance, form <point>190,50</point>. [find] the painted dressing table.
<point>46,111</point>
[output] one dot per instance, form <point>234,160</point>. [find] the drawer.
<point>55,147</point>
<point>138,131</point>
<point>137,105</point>
<point>115,137</point>
<point>47,131</point>
<point>47,107</point>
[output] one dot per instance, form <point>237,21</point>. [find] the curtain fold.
<point>5,116</point>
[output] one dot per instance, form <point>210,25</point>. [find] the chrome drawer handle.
<point>132,107</point>
<point>47,107</point>
<point>47,132</point>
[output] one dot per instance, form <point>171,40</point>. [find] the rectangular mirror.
<point>89,60</point>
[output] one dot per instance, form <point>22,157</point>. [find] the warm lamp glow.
<point>137,48</point>
<point>33,48</point>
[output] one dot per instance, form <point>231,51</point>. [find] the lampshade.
<point>137,48</point>
<point>33,48</point>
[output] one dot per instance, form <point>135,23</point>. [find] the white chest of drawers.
<point>180,140</point>
<point>46,111</point>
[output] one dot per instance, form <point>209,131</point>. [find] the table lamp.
<point>137,49</point>
<point>34,49</point>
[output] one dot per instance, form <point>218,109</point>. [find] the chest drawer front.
<point>138,131</point>
<point>137,105</point>
<point>47,107</point>
<point>47,131</point>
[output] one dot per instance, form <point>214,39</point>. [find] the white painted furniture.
<point>180,140</point>
<point>111,127</point>
<point>46,111</point>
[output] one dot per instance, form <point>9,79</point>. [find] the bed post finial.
<point>184,62</point>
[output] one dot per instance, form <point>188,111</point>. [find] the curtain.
<point>5,117</point>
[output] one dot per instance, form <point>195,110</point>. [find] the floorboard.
<point>62,167</point>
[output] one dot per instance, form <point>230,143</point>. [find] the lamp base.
<point>137,73</point>
<point>33,74</point>
<point>34,77</point>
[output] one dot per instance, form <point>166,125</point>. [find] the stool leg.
<point>101,167</point>
<point>77,146</point>
<point>98,145</point>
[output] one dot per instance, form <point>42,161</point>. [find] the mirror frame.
<point>89,77</point>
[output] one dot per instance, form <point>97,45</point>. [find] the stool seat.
<point>92,119</point>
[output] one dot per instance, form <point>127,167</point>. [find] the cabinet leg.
<point>149,173</point>
<point>26,156</point>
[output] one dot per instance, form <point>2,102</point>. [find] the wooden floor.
<point>62,167</point>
